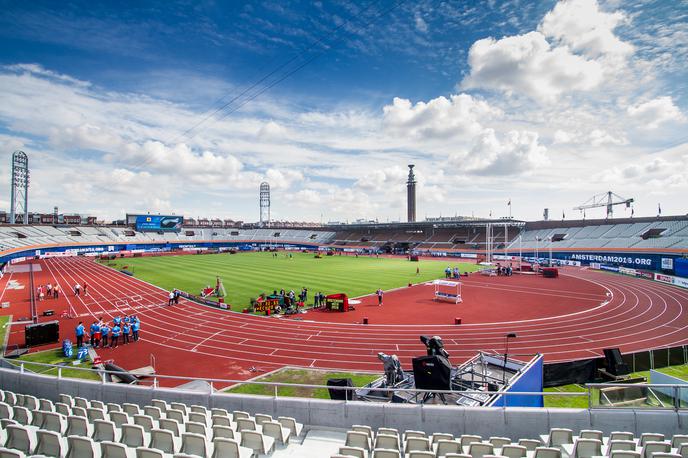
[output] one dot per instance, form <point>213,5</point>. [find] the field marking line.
<point>64,291</point>
<point>206,339</point>
<point>654,292</point>
<point>5,288</point>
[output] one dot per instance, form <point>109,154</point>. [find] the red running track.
<point>199,341</point>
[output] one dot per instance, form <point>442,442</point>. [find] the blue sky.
<point>544,103</point>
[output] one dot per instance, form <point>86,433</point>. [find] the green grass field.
<point>56,357</point>
<point>246,275</point>
<point>4,327</point>
<point>582,402</point>
<point>304,377</point>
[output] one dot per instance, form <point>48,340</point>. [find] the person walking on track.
<point>79,331</point>
<point>85,289</point>
<point>170,298</point>
<point>77,290</point>
<point>56,292</point>
<point>379,293</point>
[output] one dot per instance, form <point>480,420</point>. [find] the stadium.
<point>131,329</point>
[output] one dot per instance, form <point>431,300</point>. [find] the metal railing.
<point>594,391</point>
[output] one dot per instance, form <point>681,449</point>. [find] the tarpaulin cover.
<point>572,372</point>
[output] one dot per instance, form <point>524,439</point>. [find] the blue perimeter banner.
<point>159,223</point>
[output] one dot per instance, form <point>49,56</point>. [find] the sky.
<point>186,107</point>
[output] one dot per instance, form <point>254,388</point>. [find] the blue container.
<point>67,348</point>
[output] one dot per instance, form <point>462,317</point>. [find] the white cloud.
<point>528,65</point>
<point>271,131</point>
<point>421,25</point>
<point>652,114</point>
<point>581,25</point>
<point>517,152</point>
<point>440,118</point>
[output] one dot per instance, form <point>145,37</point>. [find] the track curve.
<point>194,340</point>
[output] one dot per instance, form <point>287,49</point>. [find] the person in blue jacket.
<point>104,332</point>
<point>94,330</point>
<point>115,336</point>
<point>80,334</point>
<point>135,329</point>
<point>125,331</point>
<point>116,320</point>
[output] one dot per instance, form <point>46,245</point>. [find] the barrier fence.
<point>599,395</point>
<point>585,370</point>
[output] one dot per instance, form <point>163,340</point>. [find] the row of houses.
<point>211,222</point>
<point>49,218</point>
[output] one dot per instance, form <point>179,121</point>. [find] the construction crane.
<point>606,199</point>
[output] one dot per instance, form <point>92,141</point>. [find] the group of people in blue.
<point>452,273</point>
<point>107,335</point>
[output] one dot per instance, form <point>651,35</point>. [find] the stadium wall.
<point>18,254</point>
<point>648,259</point>
<point>513,422</point>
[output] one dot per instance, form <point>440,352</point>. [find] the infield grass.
<point>246,275</point>
<point>303,377</point>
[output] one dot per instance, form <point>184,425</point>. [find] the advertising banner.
<point>682,282</point>
<point>609,268</point>
<point>634,261</point>
<point>664,278</point>
<point>667,264</point>
<point>648,275</point>
<point>159,223</point>
<point>627,271</point>
<point>595,265</point>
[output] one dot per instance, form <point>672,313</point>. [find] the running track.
<point>195,340</point>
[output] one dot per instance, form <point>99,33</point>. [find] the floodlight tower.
<point>20,187</point>
<point>264,204</point>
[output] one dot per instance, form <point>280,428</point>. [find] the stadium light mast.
<point>264,204</point>
<point>19,187</point>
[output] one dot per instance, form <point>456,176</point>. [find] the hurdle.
<point>453,294</point>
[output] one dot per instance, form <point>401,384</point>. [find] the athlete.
<point>379,293</point>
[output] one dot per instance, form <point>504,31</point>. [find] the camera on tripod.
<point>434,346</point>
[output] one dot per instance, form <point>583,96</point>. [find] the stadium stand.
<point>76,427</point>
<point>667,232</point>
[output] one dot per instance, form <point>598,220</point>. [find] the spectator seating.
<point>76,427</point>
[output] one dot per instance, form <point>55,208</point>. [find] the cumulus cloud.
<point>654,113</point>
<point>440,118</point>
<point>581,25</point>
<point>528,65</point>
<point>516,152</point>
<point>594,137</point>
<point>574,49</point>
